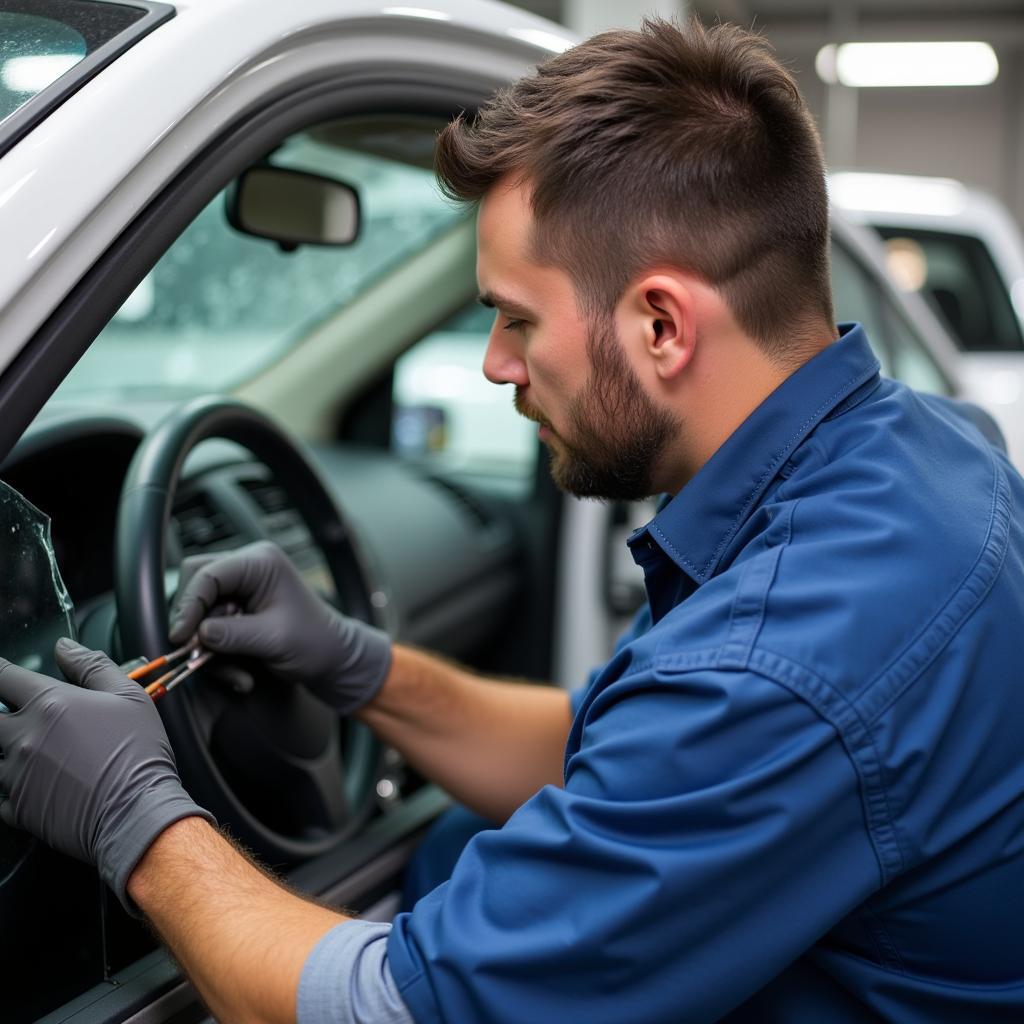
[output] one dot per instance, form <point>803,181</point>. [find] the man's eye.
<point>513,325</point>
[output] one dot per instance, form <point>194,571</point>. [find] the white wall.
<point>587,17</point>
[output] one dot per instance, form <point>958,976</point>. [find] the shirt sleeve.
<point>347,980</point>
<point>709,832</point>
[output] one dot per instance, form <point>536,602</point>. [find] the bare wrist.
<point>167,845</point>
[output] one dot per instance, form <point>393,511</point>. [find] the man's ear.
<point>666,307</point>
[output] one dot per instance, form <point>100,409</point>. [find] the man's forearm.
<point>241,937</point>
<point>491,744</point>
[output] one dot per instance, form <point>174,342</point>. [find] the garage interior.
<point>972,134</point>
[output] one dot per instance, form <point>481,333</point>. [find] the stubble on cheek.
<point>527,411</point>
<point>614,434</point>
<point>618,435</point>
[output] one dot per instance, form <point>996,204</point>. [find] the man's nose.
<point>503,360</point>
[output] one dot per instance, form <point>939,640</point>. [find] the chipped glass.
<point>35,611</point>
<point>35,607</point>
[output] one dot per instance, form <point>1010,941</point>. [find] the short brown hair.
<point>676,144</point>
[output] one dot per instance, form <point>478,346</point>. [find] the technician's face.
<point>571,375</point>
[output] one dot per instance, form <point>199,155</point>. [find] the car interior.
<point>383,468</point>
<point>293,354</point>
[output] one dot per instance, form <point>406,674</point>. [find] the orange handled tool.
<point>194,658</point>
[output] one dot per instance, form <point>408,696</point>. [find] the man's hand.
<point>284,624</point>
<point>88,768</point>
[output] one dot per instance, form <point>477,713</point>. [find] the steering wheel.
<point>277,766</point>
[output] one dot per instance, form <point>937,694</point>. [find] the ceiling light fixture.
<point>874,65</point>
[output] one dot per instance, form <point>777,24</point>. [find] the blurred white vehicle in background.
<point>961,249</point>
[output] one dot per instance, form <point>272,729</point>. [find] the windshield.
<point>221,306</point>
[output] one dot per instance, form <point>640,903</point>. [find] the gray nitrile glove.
<point>88,768</point>
<point>283,623</point>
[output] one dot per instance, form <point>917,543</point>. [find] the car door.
<point>103,966</point>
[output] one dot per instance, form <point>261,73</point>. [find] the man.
<point>796,791</point>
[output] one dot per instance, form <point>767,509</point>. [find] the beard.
<point>616,435</point>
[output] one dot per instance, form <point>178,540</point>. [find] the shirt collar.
<point>695,527</point>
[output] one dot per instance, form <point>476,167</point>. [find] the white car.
<point>961,249</point>
<point>186,365</point>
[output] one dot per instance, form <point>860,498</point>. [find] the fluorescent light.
<point>895,193</point>
<point>419,12</point>
<point>538,37</point>
<point>870,65</point>
<point>33,74</point>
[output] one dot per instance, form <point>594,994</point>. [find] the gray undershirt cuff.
<point>347,980</point>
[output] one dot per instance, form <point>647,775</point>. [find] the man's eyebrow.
<point>509,306</point>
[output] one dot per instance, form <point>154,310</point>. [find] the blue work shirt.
<point>796,791</point>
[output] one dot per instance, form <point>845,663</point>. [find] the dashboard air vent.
<point>201,527</point>
<point>270,497</point>
<point>280,519</point>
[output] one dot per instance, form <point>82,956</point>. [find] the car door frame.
<point>152,989</point>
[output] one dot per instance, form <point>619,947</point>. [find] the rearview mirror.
<point>293,207</point>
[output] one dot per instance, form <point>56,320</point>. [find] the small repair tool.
<point>192,656</point>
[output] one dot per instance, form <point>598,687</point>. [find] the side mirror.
<point>293,208</point>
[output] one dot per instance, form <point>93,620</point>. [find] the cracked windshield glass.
<point>35,607</point>
<point>222,306</point>
<point>35,612</point>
